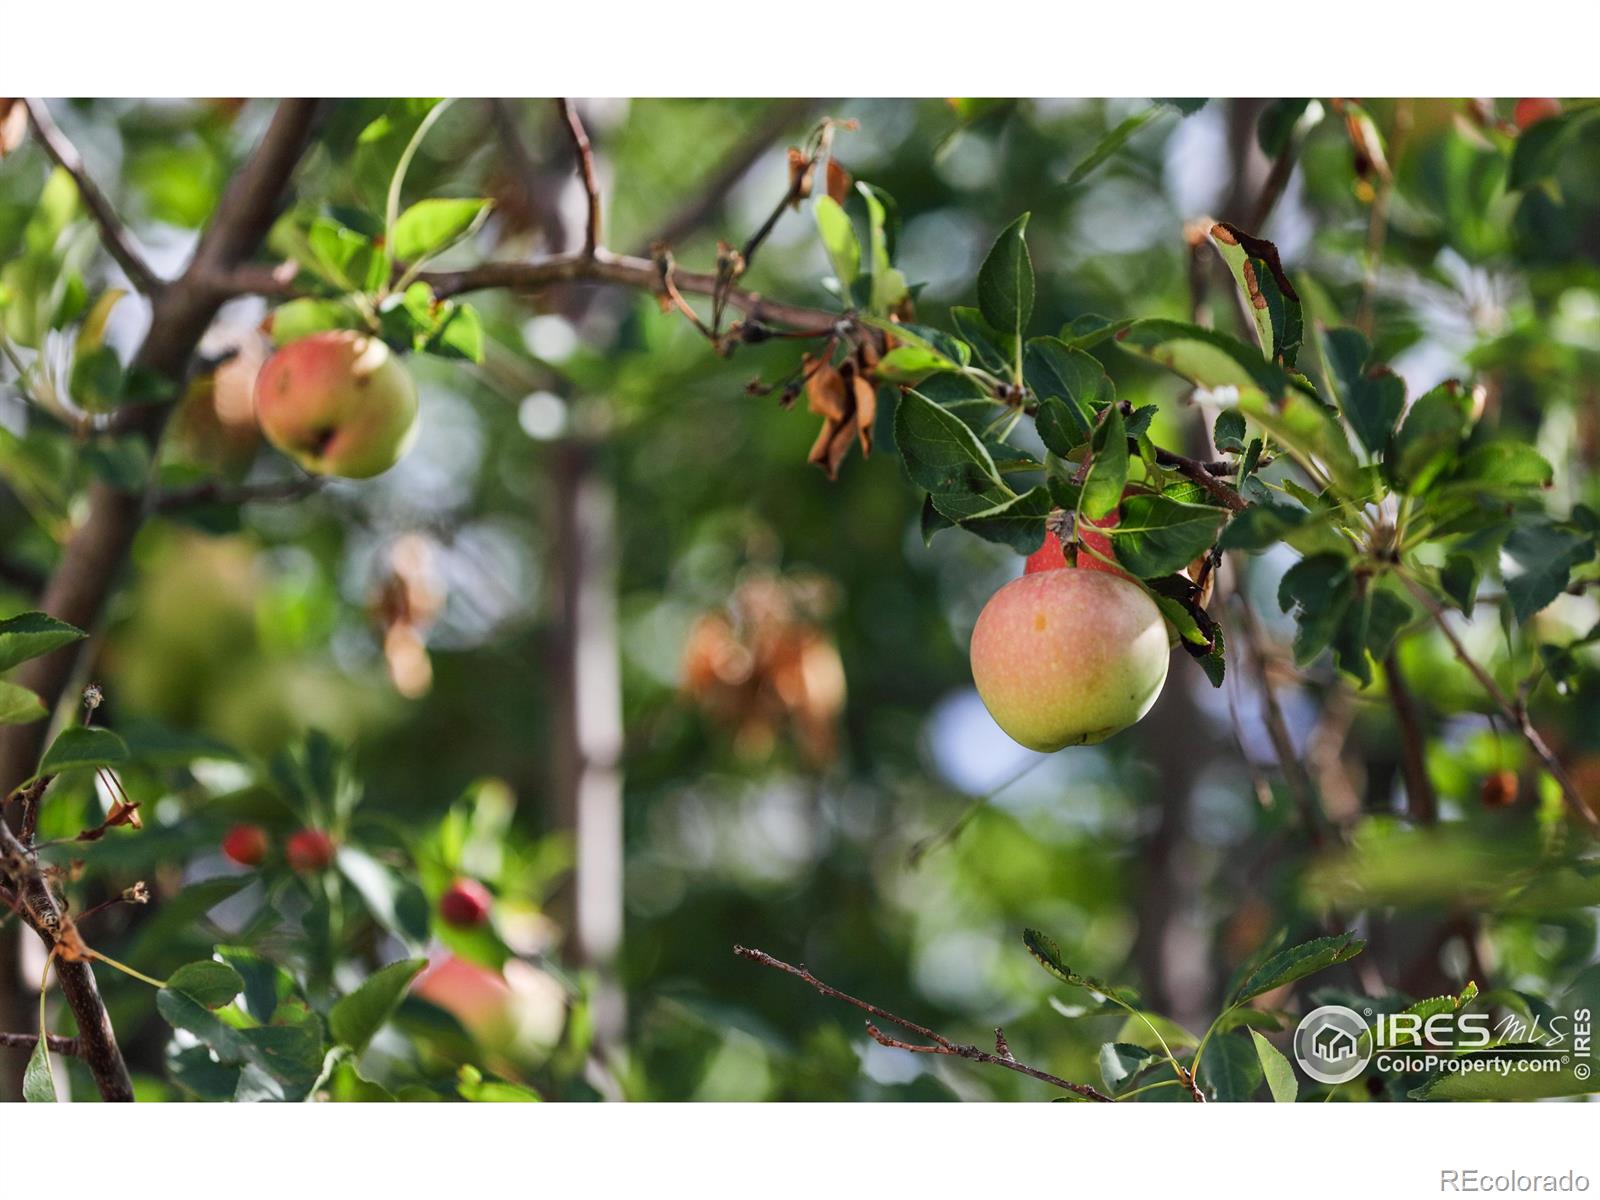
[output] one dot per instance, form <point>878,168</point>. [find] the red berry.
<point>1532,111</point>
<point>246,844</point>
<point>465,904</point>
<point>309,850</point>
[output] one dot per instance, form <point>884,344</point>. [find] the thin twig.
<point>1205,474</point>
<point>119,242</point>
<point>27,1041</point>
<point>1515,712</point>
<point>940,1044</point>
<point>586,175</point>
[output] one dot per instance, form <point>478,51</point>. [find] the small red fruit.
<point>1532,111</point>
<point>309,850</point>
<point>246,844</point>
<point>465,904</point>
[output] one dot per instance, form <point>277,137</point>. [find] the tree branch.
<point>118,241</point>
<point>97,550</point>
<point>939,1043</point>
<point>586,175</point>
<point>1205,474</point>
<point>1515,711</point>
<point>27,1041</point>
<point>628,271</point>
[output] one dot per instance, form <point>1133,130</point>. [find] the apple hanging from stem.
<point>1069,656</point>
<point>338,403</point>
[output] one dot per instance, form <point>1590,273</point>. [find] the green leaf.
<point>1483,1079</point>
<point>1312,434</point>
<point>183,1011</point>
<point>30,634</point>
<point>1205,358</point>
<point>38,1086</point>
<point>911,364</point>
<point>1279,1074</point>
<point>395,901</point>
<point>1426,445</point>
<point>940,451</point>
<point>18,705</point>
<point>1269,296</point>
<point>302,318</point>
<point>1498,465</point>
<point>888,284</point>
<point>82,746</point>
<point>1261,526</point>
<point>1018,523</point>
<point>1319,590</point>
<point>840,241</point>
<point>460,333</point>
<point>1540,148</point>
<point>1044,948</point>
<point>1121,1061</point>
<point>207,982</point>
<point>1157,535</point>
<point>1112,141</point>
<point>1108,470</point>
<point>1296,963</point>
<point>430,226</point>
<point>1372,403</point>
<point>358,1016</point>
<point>1229,431</point>
<point>1459,579</point>
<point>1072,387</point>
<point>1542,555</point>
<point>1005,282</point>
<point>995,350</point>
<point>1230,1070</point>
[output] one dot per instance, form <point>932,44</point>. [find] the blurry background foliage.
<point>797,702</point>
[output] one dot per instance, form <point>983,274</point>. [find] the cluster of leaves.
<point>1423,495</point>
<point>1152,1058</point>
<point>264,1019</point>
<point>360,272</point>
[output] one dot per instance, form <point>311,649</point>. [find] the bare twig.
<point>119,242</point>
<point>1514,710</point>
<point>27,1041</point>
<point>591,186</point>
<point>938,1043</point>
<point>1204,474</point>
<point>623,270</point>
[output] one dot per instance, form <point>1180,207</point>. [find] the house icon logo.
<point>1332,1044</point>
